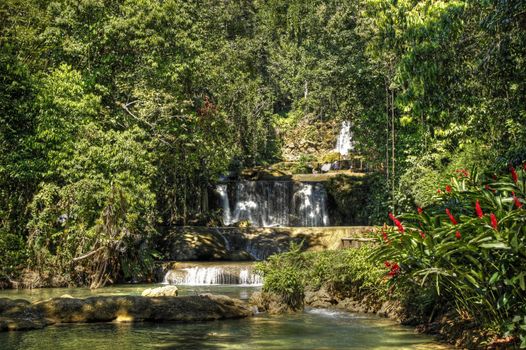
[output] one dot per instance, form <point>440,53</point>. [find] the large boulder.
<point>166,291</point>
<point>193,308</point>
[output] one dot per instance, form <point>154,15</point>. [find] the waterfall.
<point>344,143</point>
<point>275,203</point>
<point>213,275</point>
<point>222,191</point>
<point>310,205</point>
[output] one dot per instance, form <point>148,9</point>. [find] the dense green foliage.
<point>343,272</point>
<point>466,250</point>
<point>117,116</point>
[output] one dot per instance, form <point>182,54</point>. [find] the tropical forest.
<point>262,174</point>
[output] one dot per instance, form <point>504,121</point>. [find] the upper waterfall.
<point>274,203</point>
<point>344,144</point>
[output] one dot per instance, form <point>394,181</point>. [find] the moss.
<point>330,157</point>
<point>348,197</point>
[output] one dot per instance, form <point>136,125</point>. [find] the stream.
<point>311,329</point>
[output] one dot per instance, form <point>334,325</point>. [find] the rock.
<point>240,255</point>
<point>271,303</point>
<point>6,303</point>
<point>325,167</point>
<point>320,298</point>
<point>166,291</point>
<point>122,309</point>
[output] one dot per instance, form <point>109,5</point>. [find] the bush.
<point>343,272</point>
<point>303,166</point>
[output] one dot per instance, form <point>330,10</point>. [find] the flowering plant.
<point>467,250</point>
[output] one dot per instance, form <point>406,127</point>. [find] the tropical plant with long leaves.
<point>467,249</point>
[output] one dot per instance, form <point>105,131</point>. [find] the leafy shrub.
<point>283,276</point>
<point>347,271</point>
<point>303,165</point>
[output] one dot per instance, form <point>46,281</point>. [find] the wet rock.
<point>6,303</point>
<point>205,307</point>
<point>166,291</point>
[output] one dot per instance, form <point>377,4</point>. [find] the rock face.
<point>252,243</point>
<point>207,307</point>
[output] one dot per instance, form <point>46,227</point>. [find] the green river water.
<point>312,329</point>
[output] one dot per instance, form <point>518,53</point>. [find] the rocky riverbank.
<point>17,315</point>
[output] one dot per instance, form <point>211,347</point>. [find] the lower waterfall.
<point>223,274</point>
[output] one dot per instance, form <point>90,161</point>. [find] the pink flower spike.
<point>451,217</point>
<point>493,219</point>
<point>517,202</point>
<point>480,214</point>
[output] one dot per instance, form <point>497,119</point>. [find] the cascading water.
<point>310,204</point>
<point>214,275</point>
<point>275,203</point>
<point>344,143</point>
<point>222,191</point>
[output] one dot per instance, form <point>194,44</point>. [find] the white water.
<point>275,203</point>
<point>225,203</point>
<point>213,275</point>
<point>344,144</point>
<point>310,204</point>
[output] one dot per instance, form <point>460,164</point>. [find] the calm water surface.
<point>312,329</point>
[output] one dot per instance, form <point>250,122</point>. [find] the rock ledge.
<point>16,315</point>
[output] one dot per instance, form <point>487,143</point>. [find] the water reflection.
<point>309,330</point>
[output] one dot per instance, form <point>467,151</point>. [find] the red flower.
<point>458,235</point>
<point>387,264</point>
<point>420,210</point>
<point>517,202</point>
<point>423,235</point>
<point>397,223</point>
<point>448,189</point>
<point>453,221</point>
<point>514,175</point>
<point>493,221</point>
<point>480,214</point>
<point>394,270</point>
<point>438,191</point>
<point>487,187</point>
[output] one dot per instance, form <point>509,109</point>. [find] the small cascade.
<point>213,275</point>
<point>274,203</point>
<point>344,144</point>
